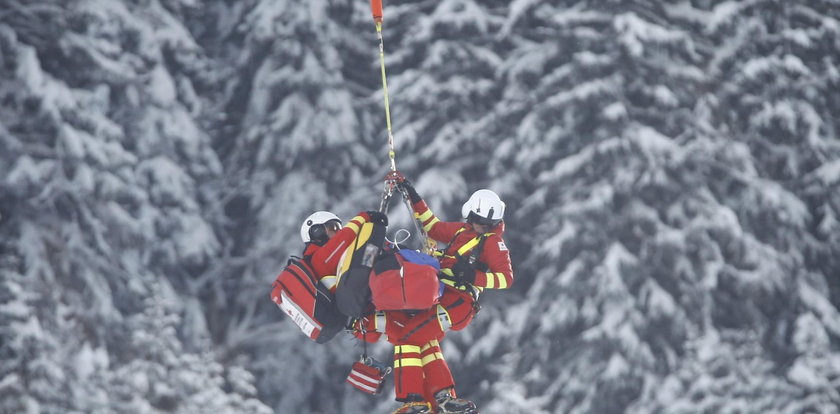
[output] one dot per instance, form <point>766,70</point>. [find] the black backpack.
<point>352,291</point>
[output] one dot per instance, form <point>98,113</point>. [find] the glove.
<point>407,187</point>
<point>403,184</point>
<point>463,271</point>
<point>377,217</point>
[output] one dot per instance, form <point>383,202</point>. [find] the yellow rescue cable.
<point>428,244</point>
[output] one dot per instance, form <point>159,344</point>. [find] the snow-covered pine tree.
<point>652,263</point>
<point>771,140</point>
<point>671,171</point>
<point>103,199</point>
<point>293,141</point>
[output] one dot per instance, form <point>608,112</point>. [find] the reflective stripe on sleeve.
<point>353,226</point>
<point>431,223</point>
<point>496,280</point>
<point>502,280</point>
<point>425,216</point>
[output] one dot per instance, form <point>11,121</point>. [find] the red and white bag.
<point>368,375</point>
<point>309,304</point>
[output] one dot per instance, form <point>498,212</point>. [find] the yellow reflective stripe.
<point>406,349</point>
<point>447,271</point>
<point>353,226</point>
<point>433,342</point>
<point>329,281</point>
<point>468,246</point>
<point>472,243</point>
<point>408,362</point>
<point>425,216</point>
<point>431,223</point>
<point>491,280</point>
<point>344,263</point>
<point>432,357</point>
<point>364,235</point>
<point>452,283</point>
<point>502,280</point>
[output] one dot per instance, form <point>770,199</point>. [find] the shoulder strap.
<point>454,236</point>
<point>303,264</point>
<point>442,252</point>
<point>476,244</point>
<point>476,252</point>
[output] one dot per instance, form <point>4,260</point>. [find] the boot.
<point>447,404</point>
<point>414,408</point>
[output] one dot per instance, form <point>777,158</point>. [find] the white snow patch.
<point>617,255</point>
<point>664,96</point>
<point>615,111</point>
<point>804,375</point>
<point>552,245</point>
<point>571,16</point>
<point>15,309</point>
<point>571,164</point>
<point>582,92</point>
<point>461,13</point>
<point>821,306</point>
<point>652,142</point>
<point>89,360</point>
<point>809,334</point>
<point>196,239</point>
<point>635,31</point>
<point>659,302</point>
<point>790,207</point>
<point>616,367</point>
<point>779,110</point>
<point>167,182</point>
<point>724,12</point>
<point>828,173</point>
<point>54,95</point>
<point>29,172</point>
<point>161,87</point>
<point>70,142</point>
<point>442,185</point>
<point>756,66</point>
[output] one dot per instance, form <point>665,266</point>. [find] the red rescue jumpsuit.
<point>324,259</point>
<point>419,366</point>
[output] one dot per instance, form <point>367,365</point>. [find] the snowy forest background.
<point>671,170</point>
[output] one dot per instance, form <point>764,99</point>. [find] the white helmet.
<point>484,207</point>
<point>313,227</point>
